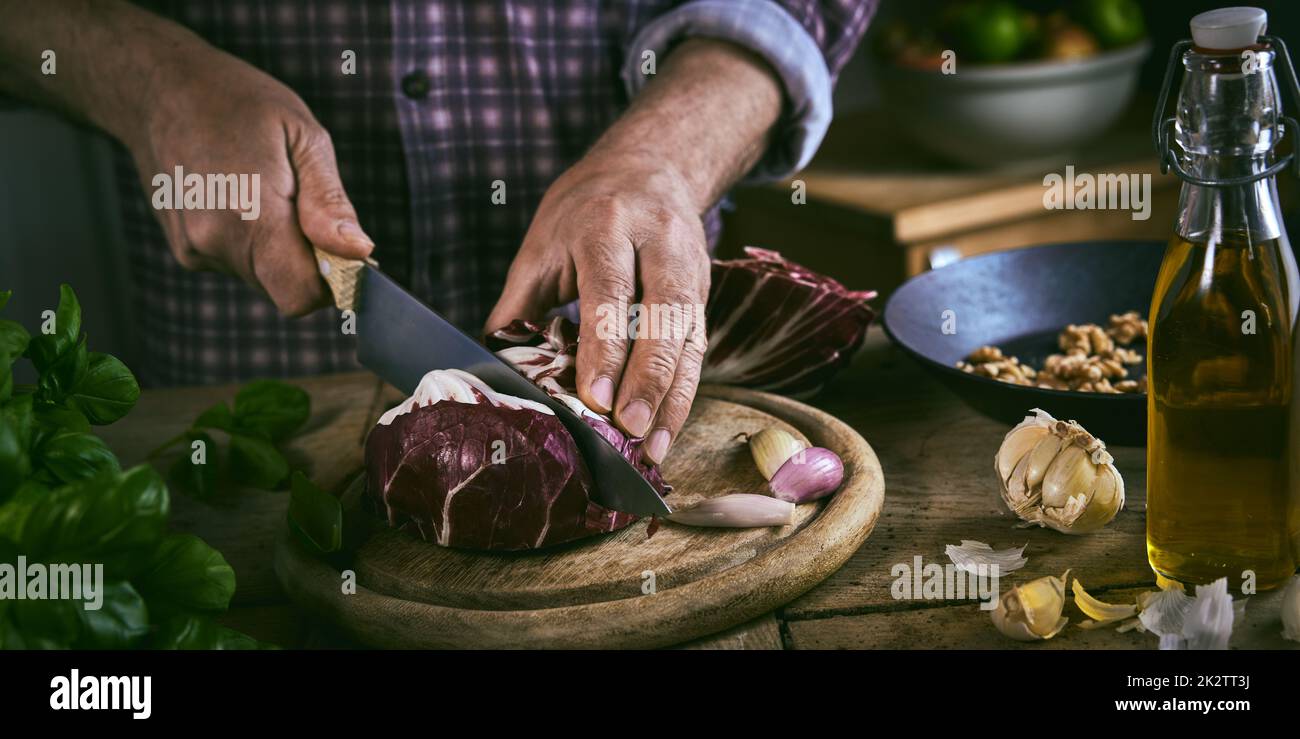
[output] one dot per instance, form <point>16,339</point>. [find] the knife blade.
<point>401,339</point>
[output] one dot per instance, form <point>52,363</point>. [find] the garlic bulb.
<point>1032,611</point>
<point>1055,474</point>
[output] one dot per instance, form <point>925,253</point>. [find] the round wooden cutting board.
<point>622,590</point>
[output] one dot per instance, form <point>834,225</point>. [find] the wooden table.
<point>937,455</point>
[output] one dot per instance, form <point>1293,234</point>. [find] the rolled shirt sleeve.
<point>806,43</point>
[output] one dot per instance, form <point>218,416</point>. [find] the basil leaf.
<point>317,515</point>
<point>13,338</point>
<point>63,374</point>
<point>106,391</point>
<point>14,513</point>
<point>187,574</point>
<point>120,622</point>
<point>6,375</point>
<point>10,636</point>
<point>13,342</point>
<point>256,462</point>
<point>217,417</point>
<point>15,442</point>
<point>201,632</point>
<point>113,517</point>
<point>197,478</point>
<point>271,408</point>
<point>47,624</point>
<point>73,455</point>
<point>50,420</point>
<point>44,348</point>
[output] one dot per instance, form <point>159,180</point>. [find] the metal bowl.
<point>1027,112</point>
<point>1019,300</point>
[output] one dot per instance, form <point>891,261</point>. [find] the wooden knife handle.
<point>342,275</point>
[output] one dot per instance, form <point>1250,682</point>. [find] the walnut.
<point>1074,340</point>
<point>1051,382</point>
<point>1006,371</point>
<point>1071,367</point>
<point>1092,359</point>
<point>1097,386</point>
<point>1126,356</point>
<point>984,354</point>
<point>1111,368</point>
<point>1085,340</point>
<point>1127,328</point>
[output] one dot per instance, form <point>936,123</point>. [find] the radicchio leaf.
<point>464,466</point>
<point>776,326</point>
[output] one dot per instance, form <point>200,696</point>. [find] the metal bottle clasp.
<point>1160,125</point>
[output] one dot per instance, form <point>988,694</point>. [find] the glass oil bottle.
<point>1222,500</point>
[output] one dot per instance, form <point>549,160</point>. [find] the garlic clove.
<point>1032,611</point>
<point>773,447</point>
<point>1101,613</point>
<point>1070,473</point>
<point>1040,458</point>
<point>1016,629</point>
<point>1104,503</point>
<point>738,510</point>
<point>1019,496</point>
<point>1043,600</point>
<point>807,476</point>
<point>1017,444</point>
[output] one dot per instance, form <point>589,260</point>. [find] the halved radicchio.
<point>776,326</point>
<point>464,466</point>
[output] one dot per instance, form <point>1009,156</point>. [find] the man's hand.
<point>220,115</point>
<point>174,100</point>
<point>623,224</point>
<point>612,232</point>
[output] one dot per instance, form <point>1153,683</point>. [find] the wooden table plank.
<point>761,633</point>
<point>965,626</point>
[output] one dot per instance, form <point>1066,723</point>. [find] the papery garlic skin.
<point>1055,474</point>
<point>970,556</point>
<point>1291,610</point>
<point>1032,611</point>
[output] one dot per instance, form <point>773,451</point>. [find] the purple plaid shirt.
<point>449,96</point>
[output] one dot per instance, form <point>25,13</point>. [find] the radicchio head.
<point>777,326</point>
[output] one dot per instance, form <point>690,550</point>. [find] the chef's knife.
<point>401,339</point>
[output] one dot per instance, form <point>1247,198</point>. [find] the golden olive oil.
<point>1223,499</point>
<point>1220,381</point>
